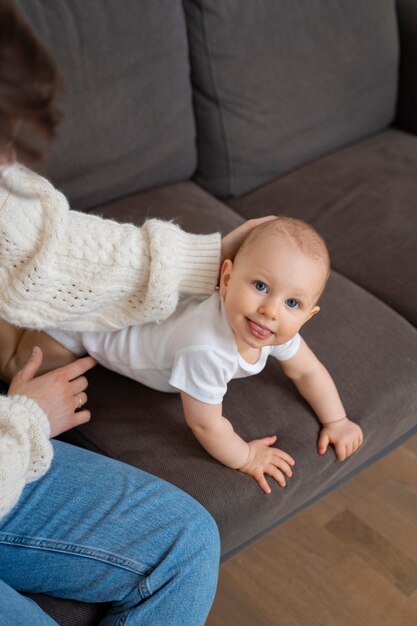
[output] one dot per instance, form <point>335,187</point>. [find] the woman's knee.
<point>202,536</point>
<point>196,550</point>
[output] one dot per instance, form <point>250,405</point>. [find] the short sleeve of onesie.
<point>286,350</point>
<point>202,373</point>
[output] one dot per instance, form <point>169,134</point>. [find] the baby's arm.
<point>216,435</point>
<point>316,385</point>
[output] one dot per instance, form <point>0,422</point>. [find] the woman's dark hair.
<point>29,82</point>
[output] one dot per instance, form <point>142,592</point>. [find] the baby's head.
<point>273,285</point>
<point>289,233</point>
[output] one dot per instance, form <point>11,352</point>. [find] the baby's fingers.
<point>268,441</point>
<point>261,480</point>
<point>284,456</point>
<point>345,450</point>
<point>355,445</point>
<point>281,464</point>
<point>323,442</point>
<point>277,475</point>
<point>341,451</point>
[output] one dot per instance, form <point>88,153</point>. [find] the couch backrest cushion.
<point>128,119</point>
<point>280,82</point>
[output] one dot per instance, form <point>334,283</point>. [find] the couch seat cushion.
<point>371,351</point>
<point>363,200</point>
<point>186,203</point>
<point>195,211</point>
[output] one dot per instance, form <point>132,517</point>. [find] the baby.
<point>266,294</point>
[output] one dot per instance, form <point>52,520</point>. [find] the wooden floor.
<point>349,560</point>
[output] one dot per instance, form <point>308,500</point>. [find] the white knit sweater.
<point>60,268</point>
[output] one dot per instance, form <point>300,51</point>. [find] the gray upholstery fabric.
<point>195,211</point>
<point>363,200</point>
<point>128,121</point>
<point>354,333</point>
<point>69,612</point>
<point>185,203</point>
<point>277,83</point>
<point>407,88</point>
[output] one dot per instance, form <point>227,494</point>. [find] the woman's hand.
<point>232,242</point>
<point>263,459</point>
<point>59,393</point>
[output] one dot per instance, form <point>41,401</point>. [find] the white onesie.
<point>192,351</point>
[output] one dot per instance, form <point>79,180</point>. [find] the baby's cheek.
<point>287,332</point>
<point>279,339</point>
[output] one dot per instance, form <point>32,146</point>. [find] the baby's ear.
<point>313,312</point>
<point>225,275</point>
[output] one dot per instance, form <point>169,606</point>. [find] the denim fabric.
<point>97,530</point>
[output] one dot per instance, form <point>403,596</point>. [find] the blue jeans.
<point>97,530</point>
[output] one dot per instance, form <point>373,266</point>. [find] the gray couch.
<point>209,112</point>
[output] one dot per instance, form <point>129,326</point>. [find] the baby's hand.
<point>345,435</point>
<point>266,460</point>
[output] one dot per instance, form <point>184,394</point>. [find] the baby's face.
<point>270,292</point>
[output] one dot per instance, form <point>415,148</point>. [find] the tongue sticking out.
<point>259,331</point>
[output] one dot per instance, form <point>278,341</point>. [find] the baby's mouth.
<point>258,330</point>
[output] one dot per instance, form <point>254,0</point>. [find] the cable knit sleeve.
<point>62,268</point>
<point>25,449</point>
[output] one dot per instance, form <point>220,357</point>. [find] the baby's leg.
<point>9,341</point>
<point>16,345</point>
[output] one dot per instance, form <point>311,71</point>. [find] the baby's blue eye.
<point>292,303</point>
<point>261,286</point>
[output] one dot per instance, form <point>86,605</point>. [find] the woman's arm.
<point>62,268</point>
<point>25,449</point>
<point>35,409</point>
<point>78,271</point>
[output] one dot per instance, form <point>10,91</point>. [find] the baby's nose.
<point>270,309</point>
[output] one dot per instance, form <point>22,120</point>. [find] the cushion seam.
<point>229,169</point>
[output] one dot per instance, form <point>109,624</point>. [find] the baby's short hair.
<point>299,232</point>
